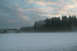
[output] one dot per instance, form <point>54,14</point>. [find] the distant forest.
<point>53,24</point>
<point>57,24</point>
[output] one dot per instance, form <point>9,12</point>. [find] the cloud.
<point>41,2</point>
<point>18,13</point>
<point>69,8</point>
<point>11,16</point>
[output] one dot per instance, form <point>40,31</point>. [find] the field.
<point>39,41</point>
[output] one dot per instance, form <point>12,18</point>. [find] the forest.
<point>57,24</point>
<point>53,24</point>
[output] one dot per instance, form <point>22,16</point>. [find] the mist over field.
<point>38,25</point>
<point>56,41</point>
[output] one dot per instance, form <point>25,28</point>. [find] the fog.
<point>38,41</point>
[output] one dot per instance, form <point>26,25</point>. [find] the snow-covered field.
<point>38,41</point>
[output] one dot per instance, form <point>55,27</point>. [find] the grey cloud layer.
<point>18,13</point>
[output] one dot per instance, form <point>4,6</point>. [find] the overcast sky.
<point>19,13</point>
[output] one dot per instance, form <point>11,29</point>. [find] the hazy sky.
<point>19,13</point>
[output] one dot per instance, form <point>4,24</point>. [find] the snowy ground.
<point>38,41</point>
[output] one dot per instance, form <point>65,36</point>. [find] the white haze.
<point>38,41</point>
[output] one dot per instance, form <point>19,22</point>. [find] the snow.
<point>38,41</point>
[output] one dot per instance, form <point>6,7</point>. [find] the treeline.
<point>8,30</point>
<point>56,24</point>
<point>20,30</point>
<point>48,25</point>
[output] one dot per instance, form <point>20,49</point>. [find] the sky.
<point>23,13</point>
